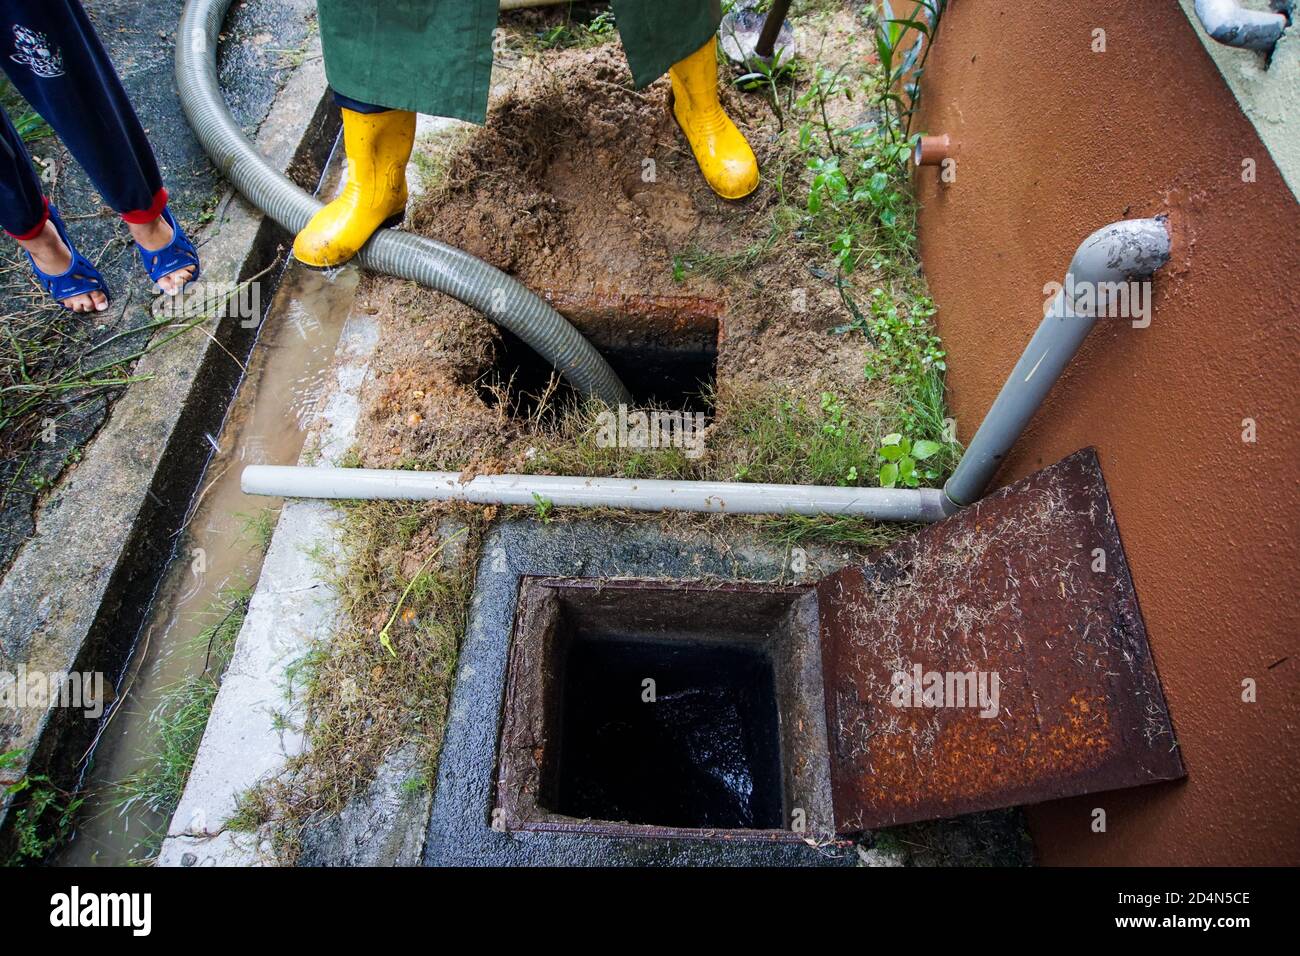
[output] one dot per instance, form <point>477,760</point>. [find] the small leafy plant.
<point>907,348</point>
<point>858,200</point>
<point>837,426</point>
<point>837,419</point>
<point>36,838</point>
<point>602,24</point>
<point>901,457</point>
<point>570,34</point>
<point>766,76</point>
<point>898,64</point>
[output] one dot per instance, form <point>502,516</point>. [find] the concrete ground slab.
<point>107,531</point>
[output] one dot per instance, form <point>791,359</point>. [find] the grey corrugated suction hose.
<point>434,264</point>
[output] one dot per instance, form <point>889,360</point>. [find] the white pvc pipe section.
<point>720,497</point>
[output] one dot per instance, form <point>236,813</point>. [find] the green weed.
<point>259,526</point>
<point>26,121</point>
<point>181,716</point>
<point>599,29</point>
<point>46,815</point>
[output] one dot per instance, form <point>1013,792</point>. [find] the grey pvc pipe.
<point>1115,254</point>
<point>1229,23</point>
<point>434,264</point>
<point>721,497</point>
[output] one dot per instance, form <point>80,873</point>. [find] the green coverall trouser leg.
<point>435,56</point>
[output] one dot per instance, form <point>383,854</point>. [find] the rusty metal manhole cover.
<point>1026,595</point>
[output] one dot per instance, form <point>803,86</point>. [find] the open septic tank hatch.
<point>993,659</point>
<point>663,708</point>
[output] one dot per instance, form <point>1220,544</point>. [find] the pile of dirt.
<point>575,182</point>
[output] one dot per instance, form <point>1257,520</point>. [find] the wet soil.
<point>584,189</point>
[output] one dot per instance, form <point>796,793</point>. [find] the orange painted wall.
<point>1055,141</point>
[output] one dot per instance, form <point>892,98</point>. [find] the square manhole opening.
<point>662,708</point>
<point>704,754</point>
<point>663,348</point>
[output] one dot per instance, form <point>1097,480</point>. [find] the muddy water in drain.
<point>703,753</point>
<point>218,551</point>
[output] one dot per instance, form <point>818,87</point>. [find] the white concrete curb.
<point>248,738</point>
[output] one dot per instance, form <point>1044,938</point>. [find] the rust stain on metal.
<point>1029,586</point>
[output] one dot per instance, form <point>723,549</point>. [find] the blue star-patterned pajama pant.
<point>53,57</point>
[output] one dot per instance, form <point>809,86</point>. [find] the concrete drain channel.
<point>270,412</point>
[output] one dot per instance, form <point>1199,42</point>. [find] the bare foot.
<point>53,258</point>
<point>154,236</point>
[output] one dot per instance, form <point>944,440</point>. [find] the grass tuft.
<point>182,715</point>
<point>384,678</point>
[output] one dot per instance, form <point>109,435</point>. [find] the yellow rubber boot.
<point>725,159</point>
<point>378,146</point>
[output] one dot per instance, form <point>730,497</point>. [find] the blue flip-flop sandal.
<point>79,278</point>
<point>177,254</point>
